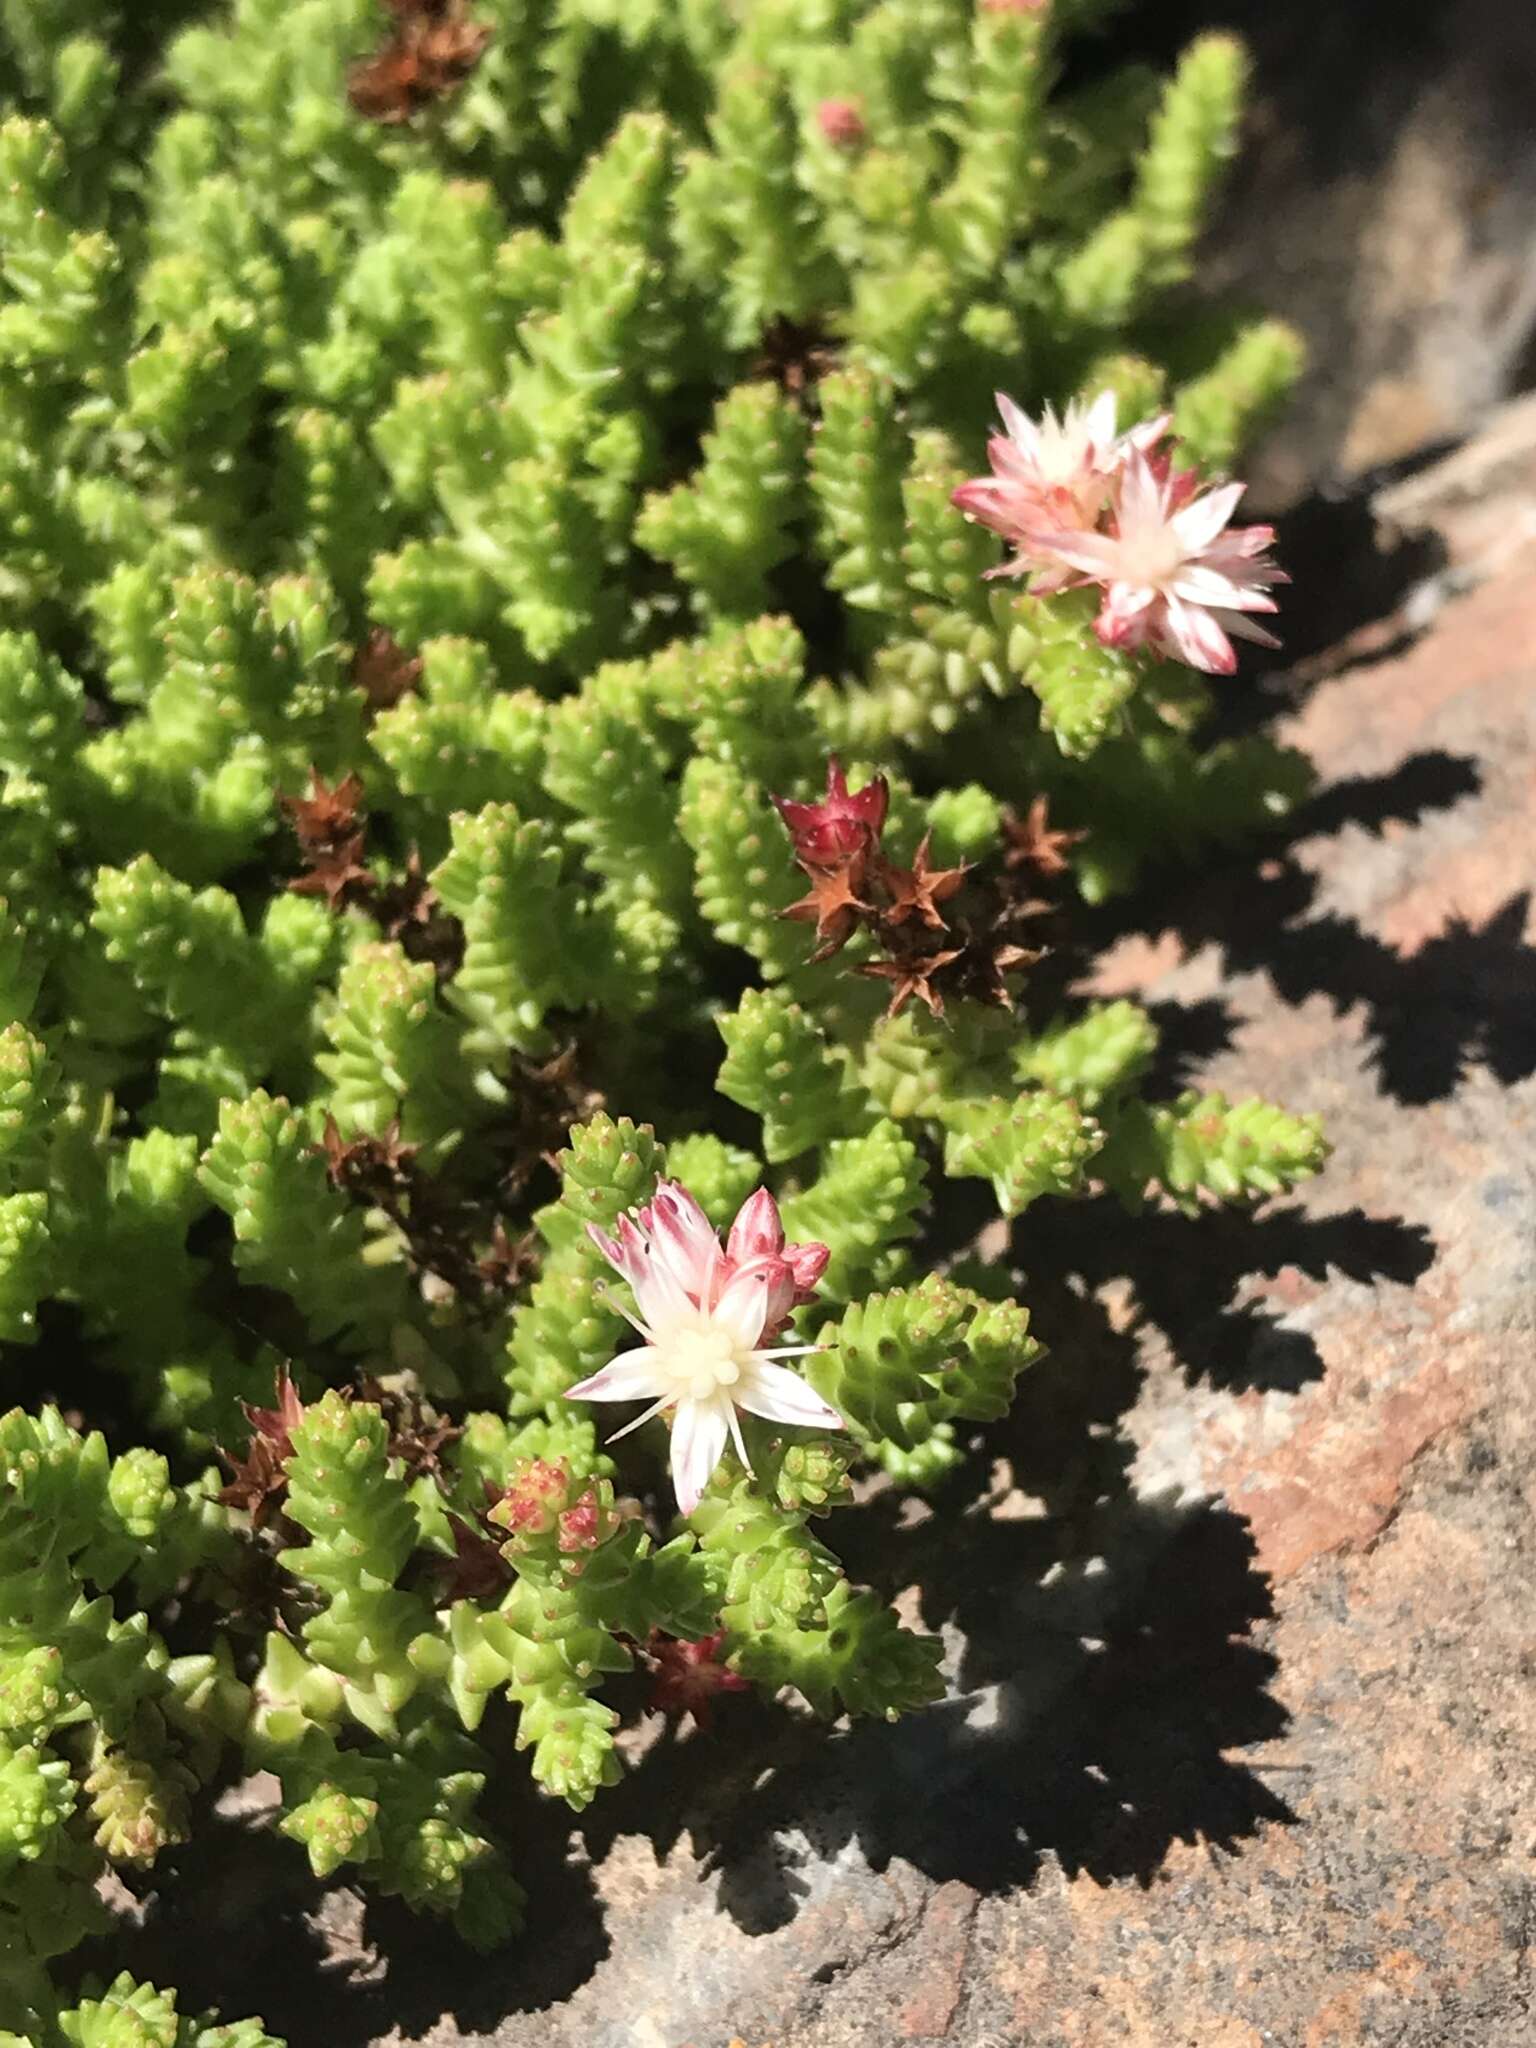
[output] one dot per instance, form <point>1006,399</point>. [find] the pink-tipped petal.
<point>1203,518</point>
<point>1198,638</point>
<point>757,1231</point>
<point>779,1395</point>
<point>750,1296</point>
<point>631,1376</point>
<point>699,1432</point>
<point>807,1262</point>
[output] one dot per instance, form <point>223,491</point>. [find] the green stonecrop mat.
<point>460,461</point>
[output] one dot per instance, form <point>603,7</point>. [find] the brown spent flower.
<point>912,977</point>
<point>834,904</point>
<point>382,669</point>
<point>432,48</point>
<point>919,890</point>
<point>418,1435</point>
<point>1032,842</point>
<point>476,1571</point>
<point>327,816</point>
<point>258,1481</point>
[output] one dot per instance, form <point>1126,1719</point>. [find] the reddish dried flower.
<point>509,1261</point>
<point>360,1164</point>
<point>912,977</point>
<point>327,816</point>
<point>834,905</point>
<point>842,123</point>
<point>418,1436</point>
<point>335,873</point>
<point>687,1677</point>
<point>476,1571</point>
<point>828,832</point>
<point>258,1481</point>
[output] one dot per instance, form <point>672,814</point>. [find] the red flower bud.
<point>688,1675</point>
<point>827,833</point>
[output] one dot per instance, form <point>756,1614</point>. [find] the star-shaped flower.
<point>259,1480</point>
<point>912,977</point>
<point>1051,474</point>
<point>1034,843</point>
<point>1176,576</point>
<point>918,891</point>
<point>833,904</point>
<point>707,1316</point>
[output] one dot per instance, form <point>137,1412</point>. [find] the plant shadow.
<point>1460,998</point>
<point>1107,1664</point>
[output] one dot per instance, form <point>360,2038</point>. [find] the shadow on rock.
<point>1461,997</point>
<point>1202,1279</point>
<point>1098,1696</point>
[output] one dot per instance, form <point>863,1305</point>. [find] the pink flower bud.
<point>841,123</point>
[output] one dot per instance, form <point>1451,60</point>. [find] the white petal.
<point>1100,421</point>
<point>779,1395</point>
<point>632,1376</point>
<point>1245,629</point>
<point>1096,554</point>
<point>662,1297</point>
<point>699,1431</point>
<point>1203,518</point>
<point>1197,638</point>
<point>1142,502</point>
<point>1125,600</point>
<point>1021,428</point>
<point>1199,584</point>
<point>749,1294</point>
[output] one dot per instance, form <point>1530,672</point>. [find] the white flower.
<point>704,1313</point>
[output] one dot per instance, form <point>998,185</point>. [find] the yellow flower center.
<point>701,1357</point>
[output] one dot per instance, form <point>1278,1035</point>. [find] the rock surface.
<point>1384,202</point>
<point>1245,1631</point>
